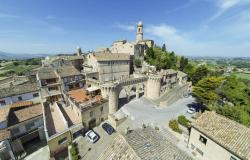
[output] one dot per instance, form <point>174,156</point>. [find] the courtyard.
<point>142,111</point>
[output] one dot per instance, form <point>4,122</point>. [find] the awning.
<point>92,89</point>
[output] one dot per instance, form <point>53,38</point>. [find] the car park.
<point>191,110</point>
<point>108,128</point>
<point>92,136</point>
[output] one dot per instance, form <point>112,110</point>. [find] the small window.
<point>101,108</point>
<point>199,151</point>
<point>62,141</point>
<point>2,103</point>
<point>91,113</point>
<point>20,98</point>
<point>203,139</point>
<point>29,126</point>
<point>35,95</point>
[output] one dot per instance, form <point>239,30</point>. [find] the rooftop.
<point>9,81</point>
<point>18,89</point>
<point>54,121</point>
<point>46,73</point>
<point>69,114</point>
<point>181,74</point>
<point>4,111</point>
<point>111,57</point>
<point>4,134</point>
<point>66,71</point>
<point>25,113</point>
<point>144,143</point>
<point>228,133</point>
<point>82,95</point>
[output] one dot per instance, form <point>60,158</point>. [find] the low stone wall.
<point>114,121</point>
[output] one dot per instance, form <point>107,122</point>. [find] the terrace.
<point>84,97</point>
<point>55,122</point>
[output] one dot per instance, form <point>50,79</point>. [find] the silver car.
<point>92,136</point>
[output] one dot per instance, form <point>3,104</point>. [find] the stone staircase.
<point>171,96</point>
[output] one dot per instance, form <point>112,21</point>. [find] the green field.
<point>242,75</point>
<point>19,67</point>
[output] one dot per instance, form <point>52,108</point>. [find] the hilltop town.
<point>113,104</point>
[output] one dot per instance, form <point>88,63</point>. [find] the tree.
<point>150,52</point>
<point>163,48</point>
<point>137,63</point>
<point>183,63</point>
<point>199,73</point>
<point>15,63</point>
<point>204,90</point>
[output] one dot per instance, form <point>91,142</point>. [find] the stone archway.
<point>149,85</point>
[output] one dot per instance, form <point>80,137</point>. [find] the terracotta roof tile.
<point>4,134</point>
<point>21,104</point>
<point>4,111</point>
<point>22,114</point>
<point>228,133</point>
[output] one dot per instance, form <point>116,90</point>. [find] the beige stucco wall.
<point>97,114</point>
<point>109,70</point>
<point>53,144</point>
<point>211,151</point>
<point>127,47</point>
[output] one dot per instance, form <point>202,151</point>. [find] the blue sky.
<point>188,27</point>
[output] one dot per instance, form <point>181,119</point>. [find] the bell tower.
<point>139,32</point>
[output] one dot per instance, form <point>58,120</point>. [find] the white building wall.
<point>211,150</point>
<point>14,99</point>
<point>3,124</point>
<point>22,129</point>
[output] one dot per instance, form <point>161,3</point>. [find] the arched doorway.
<point>122,98</point>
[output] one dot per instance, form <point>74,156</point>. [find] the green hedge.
<point>183,121</point>
<point>73,153</point>
<point>173,124</point>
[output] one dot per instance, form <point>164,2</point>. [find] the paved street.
<point>143,111</point>
<point>89,150</point>
<point>41,154</point>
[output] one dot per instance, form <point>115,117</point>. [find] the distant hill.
<point>5,55</point>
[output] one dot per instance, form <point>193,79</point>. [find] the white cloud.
<point>125,27</point>
<point>6,15</point>
<point>225,5</point>
<point>183,43</point>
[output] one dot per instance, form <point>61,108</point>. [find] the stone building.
<point>214,137</point>
<point>71,78</point>
<point>50,84</point>
<point>65,59</point>
<point>90,105</point>
<point>24,127</point>
<point>136,49</point>
<point>17,93</point>
<point>110,67</point>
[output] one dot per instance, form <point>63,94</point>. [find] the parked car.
<point>191,110</point>
<point>92,136</point>
<point>108,128</point>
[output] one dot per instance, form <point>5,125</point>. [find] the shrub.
<point>73,153</point>
<point>138,63</point>
<point>183,121</point>
<point>173,124</point>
